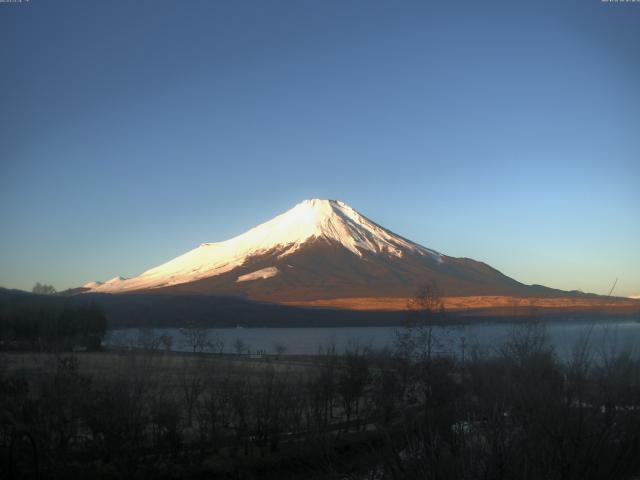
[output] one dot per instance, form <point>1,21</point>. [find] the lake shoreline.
<point>612,333</point>
<point>393,319</point>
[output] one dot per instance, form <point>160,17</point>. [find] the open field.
<point>166,367</point>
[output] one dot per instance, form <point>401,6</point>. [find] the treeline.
<point>517,412</point>
<point>35,322</point>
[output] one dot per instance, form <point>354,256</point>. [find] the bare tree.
<point>239,346</point>
<point>280,348</point>
<point>213,411</point>
<point>192,385</point>
<point>240,401</point>
<point>196,337</point>
<point>149,340</point>
<point>166,341</point>
<point>43,289</point>
<point>216,343</point>
<point>352,381</point>
<point>424,311</point>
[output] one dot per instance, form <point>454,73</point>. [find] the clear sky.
<point>505,131</point>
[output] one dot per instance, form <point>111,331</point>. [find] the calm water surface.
<point>604,337</point>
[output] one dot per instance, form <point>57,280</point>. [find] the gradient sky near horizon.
<point>504,131</point>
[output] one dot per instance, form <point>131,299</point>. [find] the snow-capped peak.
<point>330,220</point>
<point>335,220</point>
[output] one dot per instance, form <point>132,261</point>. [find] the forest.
<point>517,411</point>
<point>44,322</point>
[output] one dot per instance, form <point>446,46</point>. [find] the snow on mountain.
<point>261,274</point>
<point>92,284</point>
<point>114,282</point>
<point>311,219</point>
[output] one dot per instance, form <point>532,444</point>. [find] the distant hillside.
<point>158,310</point>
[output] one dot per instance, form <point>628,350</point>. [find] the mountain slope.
<point>319,249</point>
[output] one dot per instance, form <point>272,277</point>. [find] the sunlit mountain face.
<point>318,250</point>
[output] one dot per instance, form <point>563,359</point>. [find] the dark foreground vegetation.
<point>48,323</point>
<point>514,413</point>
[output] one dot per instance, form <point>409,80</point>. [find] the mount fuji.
<point>319,251</point>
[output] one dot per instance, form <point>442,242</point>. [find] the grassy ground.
<point>169,367</point>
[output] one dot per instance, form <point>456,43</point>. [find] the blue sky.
<point>503,131</point>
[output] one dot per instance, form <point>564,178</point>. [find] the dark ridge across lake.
<point>166,311</point>
<point>154,310</point>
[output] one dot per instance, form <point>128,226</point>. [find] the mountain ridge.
<point>320,250</point>
<point>284,234</point>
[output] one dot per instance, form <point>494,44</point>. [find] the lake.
<point>605,337</point>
